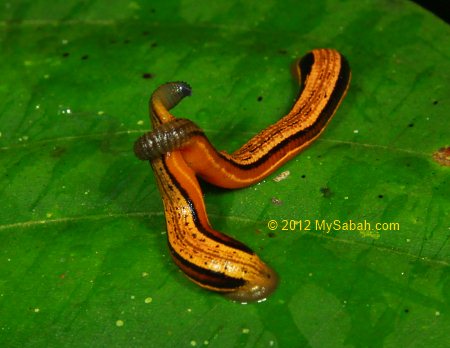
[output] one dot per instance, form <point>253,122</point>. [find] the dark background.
<point>440,8</point>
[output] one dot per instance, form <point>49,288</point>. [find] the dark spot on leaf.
<point>435,102</point>
<point>411,125</point>
<point>282,51</point>
<point>259,98</point>
<point>152,10</point>
<point>65,54</point>
<point>406,310</point>
<point>380,196</point>
<point>147,75</point>
<point>85,57</point>
<point>326,192</point>
<point>271,234</point>
<point>145,33</point>
<point>442,156</point>
<point>154,44</point>
<point>303,176</point>
<point>58,151</point>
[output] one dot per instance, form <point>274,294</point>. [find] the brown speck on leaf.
<point>147,75</point>
<point>57,151</point>
<point>442,156</point>
<point>326,192</point>
<point>276,201</point>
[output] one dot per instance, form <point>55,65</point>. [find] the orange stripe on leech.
<point>159,113</point>
<point>205,161</point>
<point>219,171</point>
<point>185,177</point>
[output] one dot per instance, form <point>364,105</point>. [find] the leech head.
<point>166,97</point>
<point>256,289</point>
<point>167,137</point>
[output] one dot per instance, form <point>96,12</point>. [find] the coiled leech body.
<point>165,138</point>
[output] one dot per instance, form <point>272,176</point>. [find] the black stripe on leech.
<point>342,81</point>
<point>205,276</point>
<point>306,63</point>
<point>220,237</point>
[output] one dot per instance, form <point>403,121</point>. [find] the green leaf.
<point>83,258</point>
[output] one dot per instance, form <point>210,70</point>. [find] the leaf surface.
<point>83,258</point>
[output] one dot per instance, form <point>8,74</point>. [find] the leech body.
<point>167,137</point>
<point>325,76</point>
<point>209,258</point>
<point>178,151</point>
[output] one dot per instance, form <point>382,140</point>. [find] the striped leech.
<point>179,151</point>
